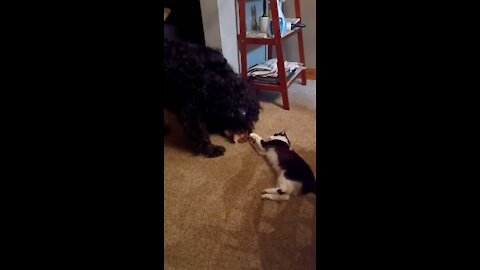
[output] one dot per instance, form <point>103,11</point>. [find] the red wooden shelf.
<point>275,41</point>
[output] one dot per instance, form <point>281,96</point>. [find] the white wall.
<point>220,28</point>
<point>228,31</point>
<point>308,10</point>
<point>211,26</point>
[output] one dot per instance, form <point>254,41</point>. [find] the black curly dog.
<point>206,95</point>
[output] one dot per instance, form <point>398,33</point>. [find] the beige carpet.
<point>213,215</point>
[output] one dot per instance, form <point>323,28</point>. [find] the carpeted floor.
<point>213,215</point>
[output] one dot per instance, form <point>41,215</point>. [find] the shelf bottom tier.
<point>276,86</point>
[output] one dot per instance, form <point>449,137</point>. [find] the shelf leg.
<point>241,40</point>
<point>303,75</point>
<point>286,105</point>
<point>243,59</point>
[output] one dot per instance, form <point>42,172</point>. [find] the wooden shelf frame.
<point>275,41</point>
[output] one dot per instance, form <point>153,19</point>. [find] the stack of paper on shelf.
<point>268,71</point>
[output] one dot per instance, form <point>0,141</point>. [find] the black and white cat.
<point>294,174</point>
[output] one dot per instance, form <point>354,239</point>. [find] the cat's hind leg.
<point>276,190</point>
<point>275,194</point>
<point>270,190</point>
<point>275,197</point>
<point>282,191</point>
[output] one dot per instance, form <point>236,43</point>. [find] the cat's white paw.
<point>266,197</point>
<point>269,191</point>
<point>255,136</point>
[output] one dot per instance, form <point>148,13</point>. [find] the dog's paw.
<point>212,151</point>
<point>166,130</point>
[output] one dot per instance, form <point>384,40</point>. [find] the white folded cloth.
<point>270,68</point>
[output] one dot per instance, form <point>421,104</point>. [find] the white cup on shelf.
<point>264,23</point>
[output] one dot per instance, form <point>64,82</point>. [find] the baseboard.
<point>311,73</point>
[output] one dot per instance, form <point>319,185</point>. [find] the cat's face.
<point>282,136</point>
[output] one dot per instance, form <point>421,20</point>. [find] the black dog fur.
<point>206,95</point>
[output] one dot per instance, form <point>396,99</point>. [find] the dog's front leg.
<point>166,129</point>
<point>199,137</point>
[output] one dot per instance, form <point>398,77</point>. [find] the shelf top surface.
<point>268,39</point>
